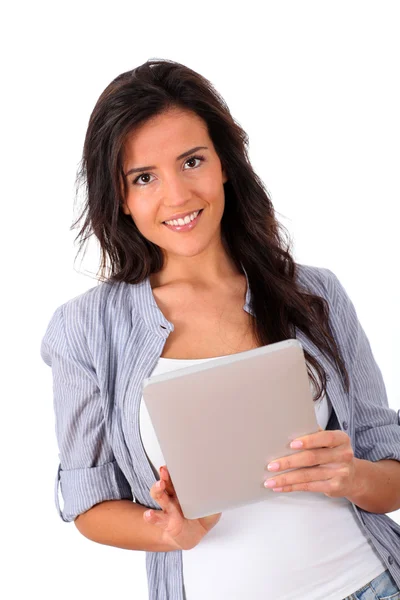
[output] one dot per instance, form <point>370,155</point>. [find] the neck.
<point>207,269</point>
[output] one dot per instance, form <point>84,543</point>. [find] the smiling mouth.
<point>198,212</point>
<point>182,224</point>
<point>186,226</point>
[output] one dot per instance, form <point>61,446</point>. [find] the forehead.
<point>171,132</point>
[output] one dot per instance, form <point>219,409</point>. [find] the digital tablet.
<point>219,423</point>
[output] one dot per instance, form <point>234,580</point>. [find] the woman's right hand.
<point>182,533</point>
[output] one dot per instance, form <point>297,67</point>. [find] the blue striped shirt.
<point>103,343</point>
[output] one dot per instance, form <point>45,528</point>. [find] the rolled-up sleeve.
<point>376,425</point>
<point>88,472</point>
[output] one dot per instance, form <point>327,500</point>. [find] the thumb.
<point>165,476</point>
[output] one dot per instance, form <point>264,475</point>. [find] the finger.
<point>159,494</point>
<point>321,439</point>
<point>310,458</point>
<point>299,476</point>
<point>165,476</point>
<point>168,503</point>
<point>155,517</point>
<point>161,518</point>
<point>329,438</point>
<point>328,487</point>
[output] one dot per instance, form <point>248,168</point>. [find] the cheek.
<point>212,187</point>
<point>142,211</point>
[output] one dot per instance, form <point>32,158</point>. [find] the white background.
<point>316,86</point>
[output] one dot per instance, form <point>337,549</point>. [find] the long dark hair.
<point>250,231</point>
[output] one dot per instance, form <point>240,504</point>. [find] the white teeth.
<point>194,215</point>
<point>184,221</point>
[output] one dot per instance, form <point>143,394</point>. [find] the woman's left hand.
<point>326,464</point>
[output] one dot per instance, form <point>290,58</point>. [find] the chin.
<point>189,247</point>
<point>189,244</point>
<point>186,252</point>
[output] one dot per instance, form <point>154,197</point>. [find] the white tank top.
<point>297,545</point>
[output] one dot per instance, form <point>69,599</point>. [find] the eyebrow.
<point>187,153</point>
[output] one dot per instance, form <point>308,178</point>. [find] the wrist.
<point>361,478</point>
<point>168,541</point>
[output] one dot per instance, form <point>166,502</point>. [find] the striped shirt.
<point>102,344</point>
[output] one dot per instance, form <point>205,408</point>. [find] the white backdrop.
<point>316,86</point>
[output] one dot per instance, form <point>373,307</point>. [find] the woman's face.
<point>164,185</point>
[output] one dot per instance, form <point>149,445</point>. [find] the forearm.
<point>377,485</point>
<point>120,523</point>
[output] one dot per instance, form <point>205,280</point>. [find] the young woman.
<point>197,269</point>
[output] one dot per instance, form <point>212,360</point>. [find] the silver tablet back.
<point>220,423</point>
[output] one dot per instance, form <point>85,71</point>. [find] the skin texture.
<point>326,463</point>
<point>183,533</point>
<point>178,186</point>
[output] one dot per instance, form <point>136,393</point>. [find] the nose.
<point>175,191</point>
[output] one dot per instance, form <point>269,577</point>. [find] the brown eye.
<point>139,179</point>
<point>194,158</point>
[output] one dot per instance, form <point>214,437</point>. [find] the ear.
<point>224,176</point>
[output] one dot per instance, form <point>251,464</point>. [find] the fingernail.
<point>274,466</point>
<point>296,444</point>
<point>148,513</point>
<point>270,483</point>
<point>158,484</point>
<point>277,489</point>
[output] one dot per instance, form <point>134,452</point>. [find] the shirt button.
<point>390,560</point>
<point>345,426</point>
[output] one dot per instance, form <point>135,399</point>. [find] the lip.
<point>181,215</point>
<point>187,226</point>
